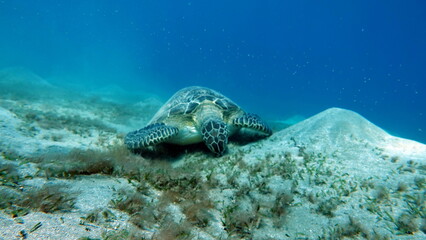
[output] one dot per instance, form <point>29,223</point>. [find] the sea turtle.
<point>193,115</point>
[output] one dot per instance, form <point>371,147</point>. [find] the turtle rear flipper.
<point>253,121</point>
<point>150,135</point>
<point>215,135</point>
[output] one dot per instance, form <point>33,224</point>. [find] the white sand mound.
<point>22,83</point>
<point>337,152</point>
<point>354,139</point>
<point>335,128</point>
<point>21,77</point>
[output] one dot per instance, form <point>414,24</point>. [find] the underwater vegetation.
<point>69,115</point>
<point>17,200</point>
<point>169,201</point>
<point>254,192</point>
<point>47,199</point>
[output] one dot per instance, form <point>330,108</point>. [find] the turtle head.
<point>215,135</point>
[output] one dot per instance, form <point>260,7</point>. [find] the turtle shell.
<point>186,101</point>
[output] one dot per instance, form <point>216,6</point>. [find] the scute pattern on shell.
<point>188,99</point>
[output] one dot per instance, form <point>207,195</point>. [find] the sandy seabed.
<point>65,174</point>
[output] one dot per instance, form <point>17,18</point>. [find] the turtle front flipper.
<point>250,120</point>
<point>215,135</point>
<point>149,135</point>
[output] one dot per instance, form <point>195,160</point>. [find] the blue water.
<point>275,58</point>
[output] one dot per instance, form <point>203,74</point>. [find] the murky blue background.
<point>275,58</point>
